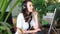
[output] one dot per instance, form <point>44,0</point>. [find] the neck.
<point>27,13</point>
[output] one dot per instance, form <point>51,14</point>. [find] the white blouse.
<point>22,24</point>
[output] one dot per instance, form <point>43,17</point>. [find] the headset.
<point>24,6</point>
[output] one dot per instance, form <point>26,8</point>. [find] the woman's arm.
<point>20,31</point>
<point>36,21</point>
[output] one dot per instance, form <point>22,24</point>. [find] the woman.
<point>27,21</point>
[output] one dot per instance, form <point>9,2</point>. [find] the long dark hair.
<point>27,17</point>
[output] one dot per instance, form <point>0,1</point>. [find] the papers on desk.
<point>48,15</point>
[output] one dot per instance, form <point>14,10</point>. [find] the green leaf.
<point>0,31</point>
<point>5,24</point>
<point>3,8</point>
<point>8,31</point>
<point>44,22</point>
<point>11,10</point>
<point>2,28</point>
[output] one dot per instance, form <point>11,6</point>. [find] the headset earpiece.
<point>24,7</point>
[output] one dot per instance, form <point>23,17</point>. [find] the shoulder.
<point>20,15</point>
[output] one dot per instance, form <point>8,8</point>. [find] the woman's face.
<point>30,6</point>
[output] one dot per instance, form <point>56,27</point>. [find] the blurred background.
<point>9,10</point>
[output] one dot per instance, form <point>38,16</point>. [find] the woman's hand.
<point>35,13</point>
<point>36,30</point>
